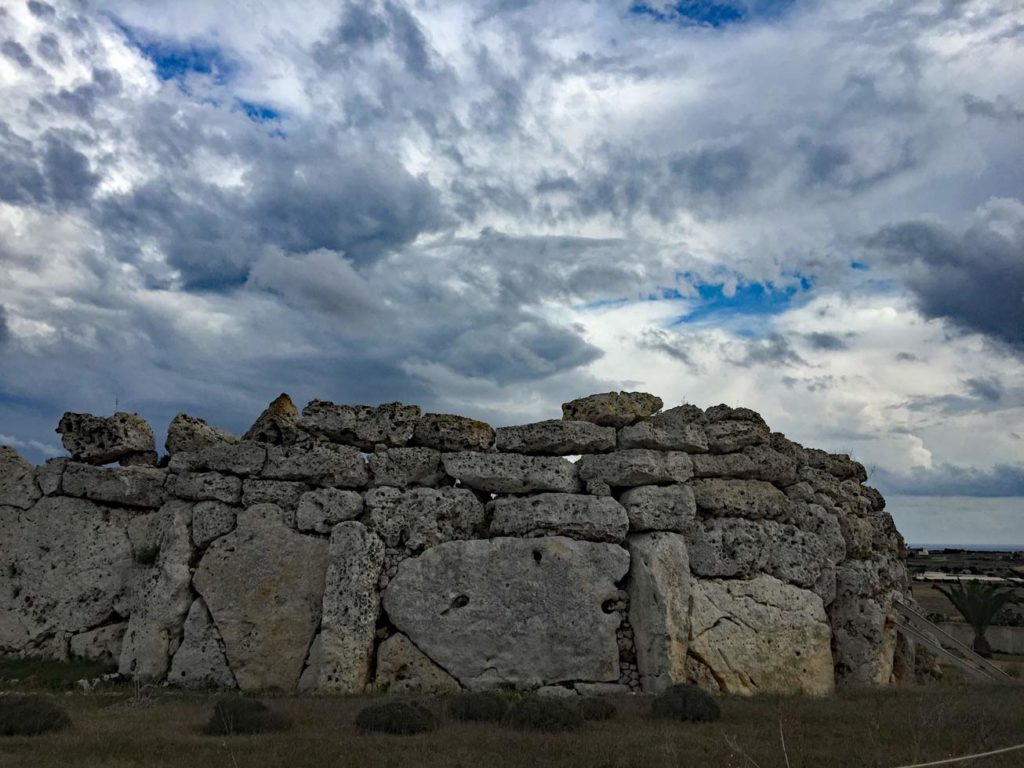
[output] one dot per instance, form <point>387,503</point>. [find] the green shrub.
<point>597,709</point>
<point>544,714</point>
<point>30,715</point>
<point>482,707</point>
<point>235,715</point>
<point>686,702</point>
<point>395,717</point>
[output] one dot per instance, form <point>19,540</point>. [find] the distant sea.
<point>972,547</point>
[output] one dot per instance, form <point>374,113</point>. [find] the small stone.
<point>753,499</point>
<point>102,440</point>
<point>199,662</point>
<point>732,429</point>
<point>322,509</point>
<point>559,514</point>
<point>447,432</point>
<point>555,438</point>
<point>277,425</point>
<point>50,477</point>
<point>612,409</point>
<point>363,426</point>
<point>284,493</point>
<point>18,487</point>
<point>404,467</point>
<point>203,486</point>
<point>211,520</point>
<point>511,472</point>
<point>660,508</point>
<point>634,467</point>
<point>324,464</point>
<point>188,434</point>
<point>404,668</point>
<point>244,458</point>
<point>755,462</point>
<point>839,465</point>
<point>130,487</point>
<point>677,429</point>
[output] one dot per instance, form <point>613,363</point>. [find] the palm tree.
<point>979,602</point>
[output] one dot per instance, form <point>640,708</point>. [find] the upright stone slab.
<point>404,668</point>
<point>18,487</point>
<point>523,612</point>
<point>364,426</point>
<point>612,409</point>
<point>264,585</point>
<point>555,438</point>
<point>102,645</point>
<point>278,424</point>
<point>511,473</point>
<point>200,661</point>
<point>351,608</point>
<point>659,607</point>
<point>559,514</point>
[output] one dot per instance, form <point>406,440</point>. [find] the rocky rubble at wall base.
<point>348,548</point>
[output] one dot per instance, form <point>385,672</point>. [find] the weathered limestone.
<point>660,508</point>
<point>495,611</point>
<point>284,493</point>
<point>404,668</point>
<point>754,499</point>
<point>18,487</point>
<point>263,562</point>
<point>559,514</point>
<point>677,429</point>
<point>278,424</point>
<point>420,518</point>
<point>839,465</point>
<point>350,608</point>
<point>511,472</point>
<point>310,677</point>
<point>633,467</point>
<point>50,477</point>
<point>200,662</point>
<point>555,438</point>
<point>322,509</point>
<point>446,432</point>
<point>612,409</point>
<point>102,644</point>
<point>659,610</point>
<point>732,429</point>
<point>188,434</point>
<point>98,440</point>
<point>364,426</point>
<point>206,486</point>
<point>404,467</point>
<point>210,520</point>
<point>336,466</point>
<point>159,597</point>
<point>761,636</point>
<point>755,462</point>
<point>129,486</point>
<point>244,459</point>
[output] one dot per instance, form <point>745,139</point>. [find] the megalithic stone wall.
<point>355,548</point>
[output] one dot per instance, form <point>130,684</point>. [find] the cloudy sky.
<point>815,209</point>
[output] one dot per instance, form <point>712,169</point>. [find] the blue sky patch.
<point>258,113</point>
<point>707,13</point>
<point>749,299</point>
<point>860,266</point>
<point>174,59</point>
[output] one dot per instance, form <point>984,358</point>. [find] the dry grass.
<point>879,729</point>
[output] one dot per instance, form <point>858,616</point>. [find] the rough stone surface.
<point>350,608</point>
<point>50,477</point>
<point>863,619</point>
<point>200,661</point>
<point>284,493</point>
<point>839,465</point>
<point>559,514</point>
<point>659,611</point>
<point>310,677</point>
<point>210,520</point>
<point>130,487</point>
<point>364,426</point>
<point>188,434</point>
<point>244,458</point>
<point>754,499</point>
<point>446,432</point>
<point>322,509</point>
<point>660,508</point>
<point>602,689</point>
<point>755,462</point>
<point>263,562</point>
<point>404,467</point>
<point>65,564</point>
<point>556,692</point>
<point>677,429</point>
<point>419,518</point>
<point>102,645</point>
<point>732,429</point>
<point>511,473</point>
<point>206,486</point>
<point>18,487</point>
<point>638,466</point>
<point>278,424</point>
<point>159,597</point>
<point>404,668</point>
<point>527,612</point>
<point>102,440</point>
<point>612,409</point>
<point>555,438</point>
<point>325,464</point>
<point>761,636</point>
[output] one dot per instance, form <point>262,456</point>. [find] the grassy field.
<point>866,729</point>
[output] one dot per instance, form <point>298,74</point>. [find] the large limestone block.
<point>244,459</point>
<point>264,584</point>
<point>754,499</point>
<point>200,661</point>
<point>659,607</point>
<point>419,518</point>
<point>278,424</point>
<point>211,519</point>
<point>732,429</point>
<point>327,464</point>
<point>350,608</point>
<point>555,437</point>
<point>18,487</point>
<point>364,426</point>
<point>404,467</point>
<point>511,472</point>
<point>404,668</point>
<point>559,514</point>
<point>446,432</point>
<point>206,486</point>
<point>523,612</point>
<point>660,508</point>
<point>102,644</point>
<point>677,429</point>
<point>755,462</point>
<point>322,509</point>
<point>159,597</point>
<point>65,565</point>
<point>101,440</point>
<point>128,486</point>
<point>636,466</point>
<point>612,409</point>
<point>188,434</point>
<point>284,493</point>
<point>839,465</point>
<point>761,636</point>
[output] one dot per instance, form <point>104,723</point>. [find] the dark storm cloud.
<point>973,278</point>
<point>980,395</point>
<point>826,341</point>
<point>999,109</point>
<point>775,350</point>
<point>53,172</point>
<point>906,357</point>
<point>660,340</point>
<point>40,10</point>
<point>68,172</point>
<point>82,100</point>
<point>48,47</point>
<point>5,330</point>
<point>21,180</point>
<point>16,52</point>
<point>952,480</point>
